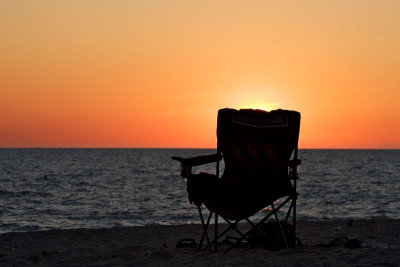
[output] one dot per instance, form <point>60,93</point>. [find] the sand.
<point>155,245</point>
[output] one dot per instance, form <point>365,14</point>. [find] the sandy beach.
<point>155,245</point>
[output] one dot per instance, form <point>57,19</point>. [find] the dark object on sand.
<point>259,149</point>
<point>186,243</point>
<point>343,241</point>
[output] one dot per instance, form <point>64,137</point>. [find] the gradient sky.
<point>154,73</point>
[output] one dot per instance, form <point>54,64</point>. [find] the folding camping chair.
<point>257,147</point>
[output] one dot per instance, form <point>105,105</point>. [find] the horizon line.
<point>197,148</point>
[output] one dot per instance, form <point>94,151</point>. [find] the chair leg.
<point>279,224</point>
<point>203,234</point>
<point>204,227</point>
<point>216,213</point>
<point>288,212</point>
<point>294,221</point>
<point>292,209</point>
<point>216,232</point>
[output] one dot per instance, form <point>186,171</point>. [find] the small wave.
<point>14,227</point>
<point>25,193</point>
<point>35,193</point>
<point>28,228</point>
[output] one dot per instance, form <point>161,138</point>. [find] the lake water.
<point>95,188</point>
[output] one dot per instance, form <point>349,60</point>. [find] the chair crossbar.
<point>256,226</point>
<point>230,227</point>
<point>262,232</point>
<point>289,211</point>
<point>279,224</point>
<point>205,228</point>
<point>233,225</point>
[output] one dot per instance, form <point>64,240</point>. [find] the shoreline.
<point>156,245</point>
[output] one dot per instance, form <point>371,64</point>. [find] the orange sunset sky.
<point>154,73</point>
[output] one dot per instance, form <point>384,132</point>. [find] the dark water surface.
<point>94,188</point>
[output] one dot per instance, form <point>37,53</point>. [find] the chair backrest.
<point>257,146</point>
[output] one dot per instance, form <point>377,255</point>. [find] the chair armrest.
<point>200,160</point>
<point>293,163</point>
<point>293,169</point>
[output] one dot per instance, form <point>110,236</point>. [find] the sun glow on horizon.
<point>258,96</point>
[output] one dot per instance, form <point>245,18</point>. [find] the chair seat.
<point>232,203</point>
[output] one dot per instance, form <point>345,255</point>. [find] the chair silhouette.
<point>257,147</point>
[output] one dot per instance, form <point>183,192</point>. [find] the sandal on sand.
<point>186,243</point>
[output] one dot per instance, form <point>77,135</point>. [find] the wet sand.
<point>155,245</point>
